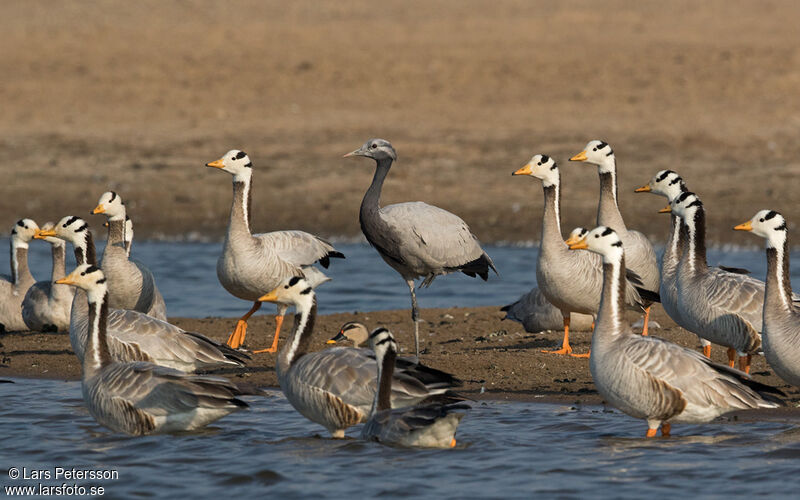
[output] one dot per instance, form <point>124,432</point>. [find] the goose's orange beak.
<point>526,170</point>
<point>579,157</point>
<point>579,245</point>
<point>44,233</point>
<point>665,210</point>
<point>644,189</point>
<point>216,164</point>
<point>99,209</point>
<point>744,226</point>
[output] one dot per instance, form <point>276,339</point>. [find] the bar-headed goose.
<point>335,387</point>
<point>132,335</point>
<point>650,378</point>
<point>642,258</point>
<point>46,306</point>
<point>570,281</point>
<point>253,264</point>
<point>131,284</point>
<point>430,425</point>
<point>142,398</point>
<point>14,287</point>
<point>781,330</point>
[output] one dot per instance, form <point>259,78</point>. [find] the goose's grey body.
<point>131,284</point>
<point>431,425</point>
<point>14,287</point>
<point>537,314</point>
<point>47,305</point>
<point>416,239</point>
<point>651,378</point>
<point>140,398</point>
<point>336,387</point>
<point>781,320</point>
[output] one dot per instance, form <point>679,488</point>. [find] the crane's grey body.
<point>651,378</point>
<point>416,239</point>
<point>14,287</point>
<point>47,305</point>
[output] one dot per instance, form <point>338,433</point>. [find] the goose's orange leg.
<point>731,356</point>
<point>565,348</point>
<point>236,339</point>
<point>665,429</point>
<point>744,363</point>
<point>646,321</point>
<point>651,433</point>
<point>274,347</point>
<point>707,351</point>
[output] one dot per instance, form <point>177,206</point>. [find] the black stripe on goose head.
<point>113,196</point>
<point>21,223</point>
<point>293,281</point>
<point>770,215</point>
<point>240,155</point>
<point>664,175</point>
<point>70,221</point>
<point>84,227</point>
<point>89,270</point>
<point>306,291</point>
<point>683,196</point>
<point>378,331</point>
<point>100,281</point>
<point>607,231</point>
<point>617,244</point>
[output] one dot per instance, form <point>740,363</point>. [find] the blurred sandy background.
<point>138,96</point>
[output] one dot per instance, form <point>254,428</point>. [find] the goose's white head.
<point>236,163</point>
<point>602,240</point>
<point>377,149</point>
<point>542,167</point>
<point>294,291</point>
<point>382,342</point>
<point>71,228</point>
<point>597,153</point>
<point>768,224</point>
<point>23,232</point>
<point>665,183</point>
<point>111,205</point>
<point>685,206</point>
<point>53,240</point>
<point>353,331</point>
<point>89,278</point>
<point>576,235</point>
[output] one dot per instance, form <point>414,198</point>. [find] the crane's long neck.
<point>383,396</point>
<point>778,291</point>
<point>116,232</point>
<point>610,316</point>
<point>85,251</point>
<point>371,202</point>
<point>608,207</point>
<point>59,252</point>
<point>552,240</point>
<point>695,227</point>
<point>301,335</point>
<point>240,206</point>
<point>19,263</point>
<point>97,355</point>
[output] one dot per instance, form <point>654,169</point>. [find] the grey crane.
<point>416,239</point>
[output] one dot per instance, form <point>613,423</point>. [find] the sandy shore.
<point>496,359</point>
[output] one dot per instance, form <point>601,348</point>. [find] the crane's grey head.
<point>293,291</point>
<point>597,153</point>
<point>576,235</point>
<point>684,206</point>
<point>71,228</point>
<point>236,163</point>
<point>353,331</point>
<point>89,278</point>
<point>110,204</point>
<point>23,232</point>
<point>665,183</point>
<point>381,341</point>
<point>602,240</point>
<point>377,149</point>
<point>768,224</point>
<point>542,167</point>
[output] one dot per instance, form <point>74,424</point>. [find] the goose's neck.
<point>240,207</point>
<point>301,336</point>
<point>371,202</point>
<point>675,242</point>
<point>59,251</point>
<point>551,219</point>
<point>116,232</point>
<point>383,397</point>
<point>695,228</point>
<point>19,264</point>
<point>97,355</point>
<point>778,288</point>
<point>611,314</point>
<point>608,207</point>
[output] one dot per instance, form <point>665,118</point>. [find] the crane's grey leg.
<point>414,316</point>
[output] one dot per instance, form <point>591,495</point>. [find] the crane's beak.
<point>216,164</point>
<point>526,170</point>
<point>99,209</point>
<point>44,233</point>
<point>579,245</point>
<point>357,152</point>
<point>744,226</point>
<point>665,210</point>
<point>579,157</point>
<point>643,189</point>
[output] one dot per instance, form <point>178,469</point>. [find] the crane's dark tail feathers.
<point>326,261</point>
<point>479,267</point>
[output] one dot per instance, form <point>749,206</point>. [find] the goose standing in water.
<point>252,264</point>
<point>46,306</point>
<point>13,288</point>
<point>132,335</point>
<point>131,284</point>
<point>140,398</point>
<point>430,425</point>
<point>571,281</point>
<point>335,387</point>
<point>650,378</point>
<point>642,258</point>
<point>780,335</point>
<point>416,239</point>
<point>723,307</point>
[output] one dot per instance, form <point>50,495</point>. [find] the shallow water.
<point>504,450</point>
<point>187,277</point>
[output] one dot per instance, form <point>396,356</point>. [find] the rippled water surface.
<point>187,277</point>
<point>505,450</point>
